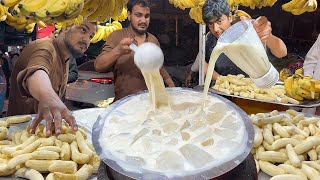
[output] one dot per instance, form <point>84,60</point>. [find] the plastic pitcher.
<point>242,45</point>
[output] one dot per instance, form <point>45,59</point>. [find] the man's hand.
<point>50,107</point>
<point>123,46</point>
<point>52,110</point>
<point>169,82</point>
<point>263,28</point>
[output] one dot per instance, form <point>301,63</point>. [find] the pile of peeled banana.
<point>300,87</point>
<point>287,145</point>
<point>240,86</point>
<point>40,156</point>
<point>24,14</point>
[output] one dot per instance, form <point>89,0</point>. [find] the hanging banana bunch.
<point>297,7</point>
<point>252,3</point>
<point>104,31</point>
<point>196,14</point>
<point>183,4</point>
<point>103,10</point>
<point>23,23</point>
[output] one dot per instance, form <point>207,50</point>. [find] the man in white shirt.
<point>311,67</point>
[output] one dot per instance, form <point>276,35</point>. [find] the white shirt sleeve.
<point>312,59</point>
<point>195,65</point>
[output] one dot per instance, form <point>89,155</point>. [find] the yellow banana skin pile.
<point>302,87</point>
<point>297,7</point>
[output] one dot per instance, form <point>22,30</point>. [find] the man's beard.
<point>140,32</point>
<point>74,53</point>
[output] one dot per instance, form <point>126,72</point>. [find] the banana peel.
<point>284,74</point>
<point>299,71</point>
<point>288,86</point>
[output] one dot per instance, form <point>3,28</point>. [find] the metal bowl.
<point>118,172</point>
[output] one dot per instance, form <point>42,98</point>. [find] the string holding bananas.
<point>297,7</point>
<point>302,87</point>
<point>104,31</point>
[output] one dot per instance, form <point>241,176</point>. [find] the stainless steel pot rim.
<point>147,174</point>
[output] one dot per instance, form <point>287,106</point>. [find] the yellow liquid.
<point>157,92</point>
<point>251,59</point>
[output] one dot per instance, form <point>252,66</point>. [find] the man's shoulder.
<point>152,38</point>
<point>120,33</point>
<point>44,44</point>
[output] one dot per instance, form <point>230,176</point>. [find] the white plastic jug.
<point>148,56</point>
<point>242,45</point>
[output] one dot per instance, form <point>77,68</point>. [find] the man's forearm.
<point>40,79</point>
<point>105,61</point>
<point>169,82</point>
<point>277,46</point>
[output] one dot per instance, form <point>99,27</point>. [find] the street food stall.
<point>167,133</point>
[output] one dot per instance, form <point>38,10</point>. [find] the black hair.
<point>143,3</point>
<point>214,8</point>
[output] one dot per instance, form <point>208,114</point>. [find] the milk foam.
<point>167,152</point>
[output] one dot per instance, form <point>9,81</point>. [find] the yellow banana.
<point>105,16</point>
<point>290,5</point>
<point>15,11</point>
<point>313,7</point>
<point>30,27</point>
<point>288,86</point>
<point>118,8</point>
<point>73,7</point>
<point>9,3</point>
<point>57,8</point>
<point>10,17</point>
<point>21,21</point>
<point>98,36</point>
<point>3,18</point>
<point>240,13</point>
<point>28,6</point>
<point>117,24</point>
<point>298,11</point>
<point>123,16</point>
<point>42,14</point>
<point>299,71</point>
<point>3,10</point>
<point>41,24</point>
<point>90,6</point>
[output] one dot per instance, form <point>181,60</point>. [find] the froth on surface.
<point>179,141</point>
